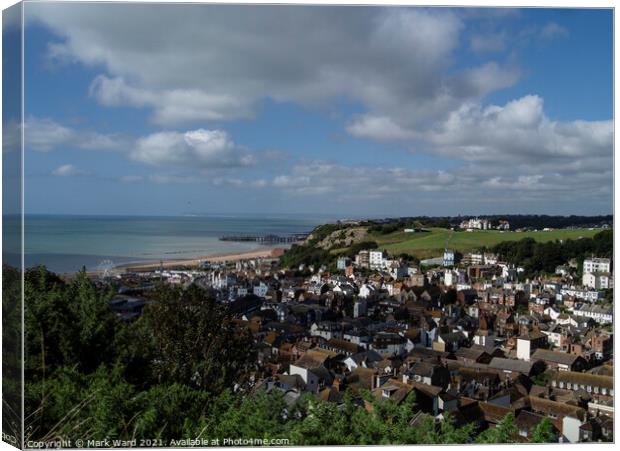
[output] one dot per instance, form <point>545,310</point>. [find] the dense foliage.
<point>536,257</point>
<point>307,254</point>
<point>398,225</point>
<point>11,351</point>
<point>355,248</point>
<point>90,375</point>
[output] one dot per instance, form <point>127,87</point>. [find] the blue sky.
<point>340,111</point>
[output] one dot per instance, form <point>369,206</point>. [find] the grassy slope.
<point>431,244</point>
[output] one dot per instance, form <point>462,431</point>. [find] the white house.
<point>476,223</point>
<point>490,259</point>
<point>597,265</point>
<point>343,262</point>
<point>375,259</point>
<point>367,291</point>
<point>524,350</point>
<point>582,293</point>
<point>260,289</point>
<point>448,257</point>
<point>570,428</point>
<point>326,329</point>
<point>598,313</point>
<point>597,280</point>
<point>311,379</point>
<point>450,278</point>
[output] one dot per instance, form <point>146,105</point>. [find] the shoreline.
<point>271,252</point>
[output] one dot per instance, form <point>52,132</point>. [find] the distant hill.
<point>516,221</point>
<point>328,241</point>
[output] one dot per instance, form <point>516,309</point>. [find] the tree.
<point>195,341</point>
<point>504,432</point>
<point>543,432</point>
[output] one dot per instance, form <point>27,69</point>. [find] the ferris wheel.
<point>105,269</point>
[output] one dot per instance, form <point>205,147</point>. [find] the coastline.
<point>270,252</point>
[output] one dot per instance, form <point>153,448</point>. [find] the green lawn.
<point>428,244</point>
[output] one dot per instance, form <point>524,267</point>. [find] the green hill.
<point>432,243</point>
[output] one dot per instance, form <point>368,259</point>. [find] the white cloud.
<point>219,62</point>
<point>520,132</point>
<point>197,148</point>
<point>488,43</point>
<point>553,30</point>
<point>380,128</point>
<point>44,135</point>
<point>68,170</point>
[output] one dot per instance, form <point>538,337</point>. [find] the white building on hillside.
<point>597,280</point>
<point>476,223</point>
<point>596,265</point>
<point>376,259</point>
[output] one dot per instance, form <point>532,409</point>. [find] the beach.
<point>270,252</point>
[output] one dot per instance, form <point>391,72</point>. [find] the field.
<point>431,244</point>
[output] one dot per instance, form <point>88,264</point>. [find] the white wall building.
<point>597,265</point>
<point>476,223</point>
<point>523,349</point>
<point>597,280</point>
<point>311,379</point>
<point>367,291</point>
<point>375,259</point>
<point>597,313</point>
<point>261,289</point>
<point>582,293</point>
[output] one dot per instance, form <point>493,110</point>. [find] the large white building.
<point>476,223</point>
<point>597,280</point>
<point>593,264</point>
<point>376,259</point>
<point>448,258</point>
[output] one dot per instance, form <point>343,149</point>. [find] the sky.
<point>350,111</point>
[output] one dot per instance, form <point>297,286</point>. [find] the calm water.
<point>66,243</point>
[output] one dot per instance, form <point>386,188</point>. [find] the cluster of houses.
<point>472,341</point>
<point>483,224</point>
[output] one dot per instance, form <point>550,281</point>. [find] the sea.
<point>66,243</point>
